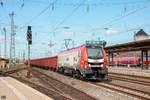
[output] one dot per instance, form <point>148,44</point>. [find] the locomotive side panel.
<point>70,59</point>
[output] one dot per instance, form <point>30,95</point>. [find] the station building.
<point>140,35</point>
<point>131,53</point>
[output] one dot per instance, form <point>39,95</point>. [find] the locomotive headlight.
<point>89,65</point>
<point>86,64</point>
<point>101,65</point>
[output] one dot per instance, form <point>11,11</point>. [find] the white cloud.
<point>112,31</point>
<point>20,40</point>
<point>17,39</point>
<point>74,33</point>
<point>82,33</point>
<point>2,38</point>
<point>68,33</point>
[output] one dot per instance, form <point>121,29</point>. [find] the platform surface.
<point>11,89</point>
<point>130,70</point>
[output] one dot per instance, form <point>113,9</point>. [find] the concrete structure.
<point>129,71</point>
<point>140,35</point>
<point>11,89</point>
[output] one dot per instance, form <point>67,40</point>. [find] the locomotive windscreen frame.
<point>94,52</point>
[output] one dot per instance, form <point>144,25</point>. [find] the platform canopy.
<point>130,46</point>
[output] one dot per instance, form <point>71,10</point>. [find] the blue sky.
<point>108,20</point>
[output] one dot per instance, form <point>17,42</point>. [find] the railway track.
<point>62,88</point>
<point>50,86</point>
<point>137,93</point>
<point>131,85</point>
<point>130,79</point>
<point>124,90</point>
<point>58,90</point>
<point>43,89</point>
<point>132,76</point>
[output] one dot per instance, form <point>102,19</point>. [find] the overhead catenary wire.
<point>4,10</point>
<point>69,15</point>
<point>120,18</point>
<point>38,1</point>
<point>99,3</point>
<point>135,28</point>
<point>39,14</point>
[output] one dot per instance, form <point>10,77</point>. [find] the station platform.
<point>11,89</point>
<point>129,70</point>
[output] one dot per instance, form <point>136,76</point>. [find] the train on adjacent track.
<point>132,58</point>
<point>87,61</point>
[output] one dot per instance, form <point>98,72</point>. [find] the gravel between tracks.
<point>98,92</point>
<point>62,88</point>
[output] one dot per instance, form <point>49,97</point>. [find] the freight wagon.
<point>46,63</point>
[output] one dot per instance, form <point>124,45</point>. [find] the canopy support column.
<point>112,56</point>
<point>142,61</point>
<point>146,53</point>
<point>109,58</point>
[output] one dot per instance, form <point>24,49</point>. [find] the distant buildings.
<point>3,63</point>
<point>140,35</point>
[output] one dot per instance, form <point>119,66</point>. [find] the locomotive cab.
<point>95,61</point>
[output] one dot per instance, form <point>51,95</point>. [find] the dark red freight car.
<point>47,63</point>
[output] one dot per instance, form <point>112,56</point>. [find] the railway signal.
<point>29,39</point>
<point>29,35</point>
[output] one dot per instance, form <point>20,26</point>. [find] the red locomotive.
<point>88,61</point>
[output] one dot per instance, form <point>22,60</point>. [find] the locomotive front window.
<point>94,52</point>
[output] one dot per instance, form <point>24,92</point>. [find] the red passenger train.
<point>88,61</point>
<point>131,58</point>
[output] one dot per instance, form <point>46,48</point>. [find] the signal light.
<point>29,35</point>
